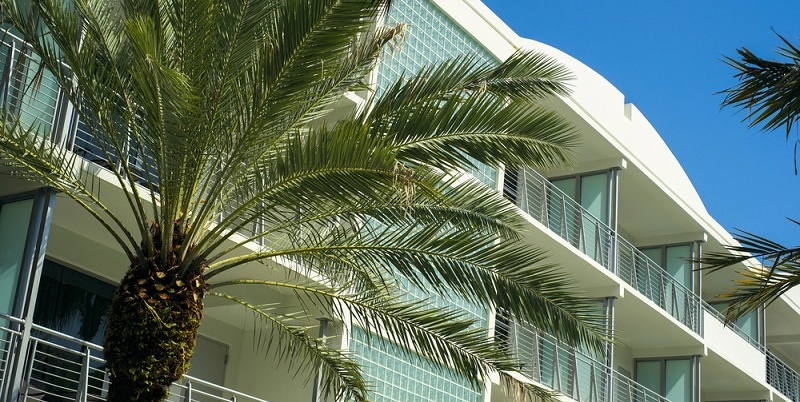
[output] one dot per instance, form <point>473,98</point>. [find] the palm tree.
<point>230,100</point>
<point>769,93</point>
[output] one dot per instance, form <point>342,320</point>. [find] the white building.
<point>622,221</point>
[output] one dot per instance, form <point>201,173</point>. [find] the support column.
<point>613,215</point>
<point>696,379</point>
<point>697,254</point>
<point>28,285</point>
<point>323,335</point>
<point>609,303</point>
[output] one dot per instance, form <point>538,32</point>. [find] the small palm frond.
<point>340,376</point>
<point>768,90</point>
<point>761,283</point>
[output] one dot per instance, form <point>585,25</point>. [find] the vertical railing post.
<point>83,381</point>
<point>187,394</point>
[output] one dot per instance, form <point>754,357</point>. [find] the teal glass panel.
<point>14,221</point>
<point>678,265</point>
<point>654,254</point>
<point>594,199</point>
<point>678,384</point>
<point>397,375</point>
<point>680,269</point>
<point>648,373</point>
<point>567,186</point>
<point>747,324</point>
<point>594,195</point>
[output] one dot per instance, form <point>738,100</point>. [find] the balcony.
<point>783,378</point>
<point>576,374</point>
<point>63,368</point>
<point>566,218</point>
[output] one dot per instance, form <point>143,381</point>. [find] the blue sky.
<point>665,57</point>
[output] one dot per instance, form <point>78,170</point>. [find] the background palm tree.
<point>768,93</point>
<point>230,103</point>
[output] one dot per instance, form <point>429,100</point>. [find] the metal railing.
<point>783,378</point>
<point>574,373</point>
<point>60,367</point>
<point>568,219</point>
<point>735,328</point>
<point>38,103</point>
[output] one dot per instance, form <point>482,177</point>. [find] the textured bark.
<point>152,330</point>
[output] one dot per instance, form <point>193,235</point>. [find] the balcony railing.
<point>735,328</point>
<point>783,378</point>
<point>63,368</point>
<point>38,103</point>
<point>549,205</point>
<point>574,373</point>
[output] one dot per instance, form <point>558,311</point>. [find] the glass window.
<point>73,303</point>
<point>14,220</point>
<point>648,373</point>
<point>677,380</point>
<point>670,378</point>
<point>747,324</point>
<point>677,264</point>
<point>594,195</point>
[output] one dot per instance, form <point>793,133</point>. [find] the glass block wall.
<point>430,37</point>
<point>394,377</point>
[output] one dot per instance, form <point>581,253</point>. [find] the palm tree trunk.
<point>151,331</point>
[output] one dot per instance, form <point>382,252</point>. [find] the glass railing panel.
<point>783,378</point>
<point>565,217</point>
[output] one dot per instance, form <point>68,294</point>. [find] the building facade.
<point>623,221</point>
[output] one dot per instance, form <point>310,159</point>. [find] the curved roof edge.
<point>623,125</point>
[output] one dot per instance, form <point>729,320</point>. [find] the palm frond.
<point>446,259</point>
<point>760,283</point>
<point>340,375</point>
<point>449,340</point>
<point>768,90</point>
